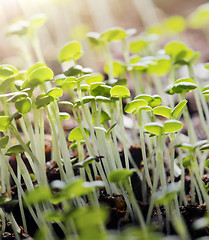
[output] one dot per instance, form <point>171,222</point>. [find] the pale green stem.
<point>55,147</point>
<point>144,157</point>
<point>41,174</point>
<point>80,159</point>
<point>136,207</point>
<point>14,224</point>
<point>172,157</point>
<point>63,143</point>
<point>22,213</point>
<point>3,221</point>
<point>30,132</point>
<point>190,129</point>
<point>37,48</point>
<point>201,186</point>
<point>109,61</point>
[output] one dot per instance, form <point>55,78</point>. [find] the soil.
<point>119,217</point>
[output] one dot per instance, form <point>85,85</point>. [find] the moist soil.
<point>119,217</point>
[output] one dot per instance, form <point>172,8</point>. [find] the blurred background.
<point>63,20</point>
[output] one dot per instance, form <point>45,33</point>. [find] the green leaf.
<point>66,103</point>
<point>38,195</point>
<point>166,196</point>
<point>146,97</point>
<point>162,111</point>
<point>34,67</point>
<point>74,71</point>
<point>71,51</point>
<point>94,78</point>
<point>200,17</point>
<point>18,96</point>
<point>177,111</point>
<point>54,216</point>
<point>101,90</point>
<point>205,147</point>
<point>161,66</point>
<point>134,59</point>
<point>185,146</point>
<point>113,34</point>
<point>139,67</point>
<point>41,233</point>
<point>4,141</point>
<point>76,188</point>
<point>84,100</point>
<point>64,115</point>
<point>206,65</point>
<point>104,117</point>
<point>135,105</point>
<point>145,108</point>
<point>93,37</point>
<point>174,25</point>
<point>23,106</point>
<point>181,85</point>
<point>15,150</point>
<point>118,69</point>
<point>86,162</point>
<point>176,49</point>
<point>154,128</point>
<point>37,20</point>
<point>4,122</point>
<point>19,28</point>
<point>137,45</point>
<point>120,175</point>
<point>186,161</point>
<point>120,91</point>
<point>157,100</point>
<point>43,101</point>
<point>37,77</point>
<point>88,221</point>
<point>171,126</point>
<point>7,71</point>
<point>55,93</point>
<point>207,163</point>
<point>76,135</point>
<point>102,99</point>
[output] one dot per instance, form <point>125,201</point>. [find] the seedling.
<point>96,104</point>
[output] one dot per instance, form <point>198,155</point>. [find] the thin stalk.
<point>55,147</point>
<point>156,172</point>
<point>136,207</point>
<point>172,157</point>
<point>14,224</point>
<point>135,83</point>
<point>190,129</point>
<point>201,186</point>
<point>80,159</point>
<point>3,221</point>
<point>122,130</point>
<point>63,143</point>
<point>144,157</point>
<point>22,213</point>
<point>202,99</point>
<point>37,48</point>
<point>40,174</point>
<point>138,78</point>
<point>30,132</point>
<point>5,178</point>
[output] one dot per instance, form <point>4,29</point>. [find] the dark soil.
<point>119,217</point>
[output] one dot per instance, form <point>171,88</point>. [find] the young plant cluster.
<point>159,125</point>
